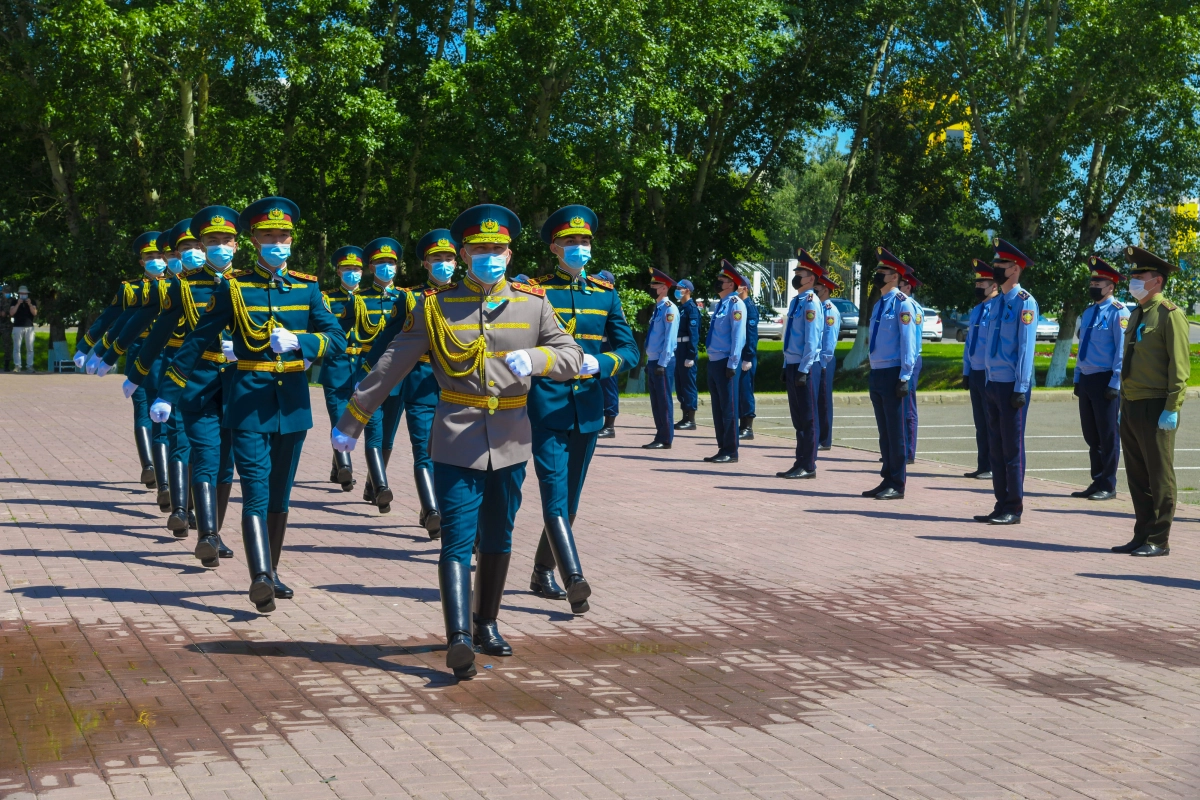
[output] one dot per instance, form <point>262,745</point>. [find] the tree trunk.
<point>1057,375</point>
<point>66,194</point>
<point>189,128</point>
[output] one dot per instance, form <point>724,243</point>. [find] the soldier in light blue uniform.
<point>661,340</point>
<point>339,372</point>
<point>974,374</point>
<point>1009,366</point>
<point>726,338</point>
<point>1098,379</point>
<point>687,354</point>
<point>802,368</point>
<point>828,285</point>
<point>280,325</point>
<point>749,366</point>
<point>610,386</point>
<point>565,417</point>
<point>908,284</point>
<point>893,353</point>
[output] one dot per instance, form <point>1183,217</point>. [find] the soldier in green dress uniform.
<point>337,376</point>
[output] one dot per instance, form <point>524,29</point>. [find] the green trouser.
<point>1149,455</point>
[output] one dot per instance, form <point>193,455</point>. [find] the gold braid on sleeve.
<point>243,324</point>
<point>190,312</point>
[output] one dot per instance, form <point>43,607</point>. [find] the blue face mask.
<point>577,256</point>
<point>679,294</point>
<point>385,272</point>
<point>276,255</point>
<point>488,267</point>
<point>192,258</point>
<point>155,266</point>
<point>351,278</point>
<point>219,255</point>
<point>442,271</point>
<point>175,265</point>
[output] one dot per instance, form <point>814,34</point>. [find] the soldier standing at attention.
<point>566,417</point>
<point>280,325</point>
<point>908,284</point>
<point>893,352</point>
<point>338,372</point>
<point>1009,365</point>
<point>828,285</point>
<point>481,438</point>
<point>974,374</point>
<point>610,386</point>
<point>726,338</point>
<point>661,337</point>
<point>1098,379</point>
<point>802,339</point>
<point>1154,378</point>
<point>749,365</point>
<point>687,353</point>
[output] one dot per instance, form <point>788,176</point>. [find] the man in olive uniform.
<point>1154,379</point>
<point>488,337</point>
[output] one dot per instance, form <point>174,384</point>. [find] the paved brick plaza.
<point>749,637</point>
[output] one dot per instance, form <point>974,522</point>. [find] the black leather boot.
<point>542,582</point>
<point>206,525</point>
<point>177,523</point>
<point>377,480</point>
<point>276,528</point>
<point>746,431</point>
<point>143,438</point>
<point>345,470</point>
<point>333,470</point>
<point>258,559</point>
<point>562,544</point>
<point>161,477</point>
<point>223,490</point>
<point>609,431</point>
<point>688,423</point>
<point>490,574</point>
<point>454,580</point>
<point>431,515</point>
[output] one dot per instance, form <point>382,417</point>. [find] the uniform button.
<point>279,382</point>
<point>577,387</point>
<point>491,383</point>
<point>487,325</point>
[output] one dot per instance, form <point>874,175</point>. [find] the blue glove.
<point>1168,420</point>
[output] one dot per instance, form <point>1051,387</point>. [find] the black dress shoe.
<point>1126,548</point>
<point>262,593</point>
<point>984,518</point>
<point>489,640</point>
<point>1084,492</point>
<point>890,494</point>
<point>1101,495</point>
<point>824,447</point>
<point>746,434</point>
<point>282,590</point>
<point>722,458</point>
<point>795,473</point>
<point>607,433</point>
<point>685,425</point>
<point>910,461</point>
<point>976,473</point>
<point>206,551</point>
<point>875,491</point>
<point>1151,550</point>
<point>542,584</point>
<point>1005,519</point>
<point>986,475</point>
<point>656,446</point>
<point>578,593</point>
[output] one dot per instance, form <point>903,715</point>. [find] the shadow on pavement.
<point>1152,580</point>
<point>124,594</point>
<point>888,515</point>
<point>93,505</point>
<point>113,556</point>
<point>107,530</point>
<point>1022,544</point>
<point>367,552</point>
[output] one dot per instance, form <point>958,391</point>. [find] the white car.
<point>931,326</point>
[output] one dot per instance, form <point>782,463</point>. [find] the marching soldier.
<point>749,365</point>
<point>687,353</point>
<point>908,284</point>
<point>201,406</point>
<point>487,337</point>
<point>339,372</point>
<point>726,338</point>
<point>802,368</point>
<point>610,386</point>
<point>280,324</point>
<point>828,285</point>
<point>893,354</point>
<point>1098,379</point>
<point>1154,378</point>
<point>661,339</point>
<point>418,391</point>
<point>1009,366</point>
<point>566,417</point>
<point>974,374</point>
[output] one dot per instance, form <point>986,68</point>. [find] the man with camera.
<point>23,311</point>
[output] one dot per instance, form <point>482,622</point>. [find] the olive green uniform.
<point>1154,377</point>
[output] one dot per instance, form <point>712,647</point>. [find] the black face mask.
<point>1096,293</point>
<point>980,293</point>
<point>797,282</point>
<point>880,280</point>
<point>999,274</point>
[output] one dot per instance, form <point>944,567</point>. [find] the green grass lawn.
<point>41,346</point>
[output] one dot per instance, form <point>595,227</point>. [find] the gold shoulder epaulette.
<point>303,275</point>
<point>241,273</point>
<point>438,289</point>
<point>600,282</point>
<point>1024,295</point>
<point>187,273</point>
<point>1169,306</point>
<point>537,291</point>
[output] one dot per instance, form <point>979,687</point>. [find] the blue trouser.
<point>802,403</point>
<point>910,414</point>
<point>746,389</point>
<point>141,408</point>
<point>1006,444</point>
<point>723,393</point>
<point>976,380</point>
<point>889,419</point>
<point>266,464</point>
<point>461,492</point>
<point>661,404</point>
<point>825,404</point>
<point>561,459</point>
<point>612,396</point>
<point>181,449</point>
<point>1098,417</point>
<point>685,384</point>
<point>392,409</point>
<point>212,457</point>
<point>336,400</point>
<point>420,423</point>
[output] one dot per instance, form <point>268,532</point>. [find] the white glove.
<point>746,366</point>
<point>103,368</point>
<point>160,410</point>
<point>283,340</point>
<point>590,365</point>
<point>80,359</point>
<point>128,388</point>
<point>92,364</point>
<point>341,442</point>
<point>227,350</point>
<point>689,363</point>
<point>519,363</point>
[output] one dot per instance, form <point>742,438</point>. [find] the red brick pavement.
<point>749,638</point>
